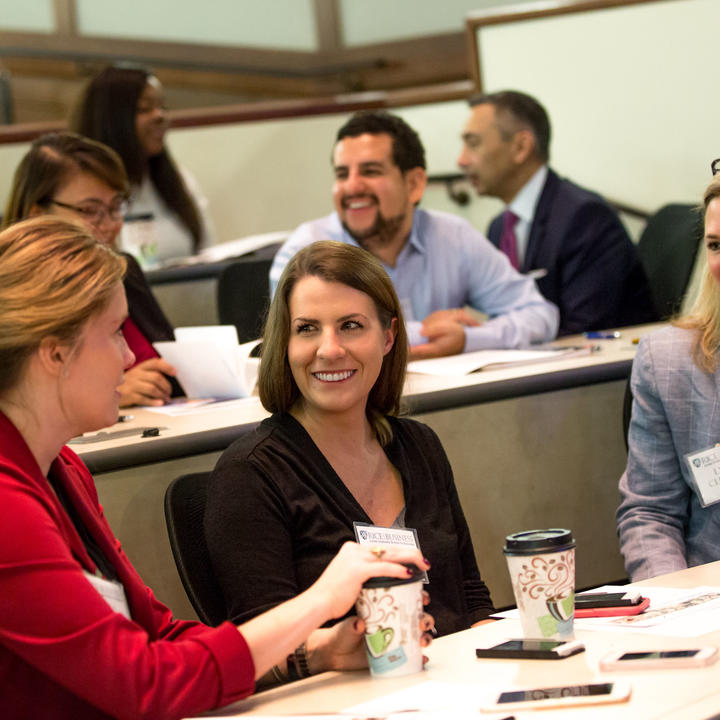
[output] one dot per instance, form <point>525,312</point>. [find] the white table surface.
<point>668,694</point>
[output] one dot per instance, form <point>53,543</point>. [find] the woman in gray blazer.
<point>669,517</point>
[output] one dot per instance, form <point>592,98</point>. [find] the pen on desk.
<point>597,335</point>
<point>125,418</point>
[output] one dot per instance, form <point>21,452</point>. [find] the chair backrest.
<point>184,510</point>
<point>243,293</point>
<point>668,247</point>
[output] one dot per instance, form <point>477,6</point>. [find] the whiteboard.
<point>632,93</point>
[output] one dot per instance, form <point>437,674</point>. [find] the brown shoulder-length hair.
<point>349,265</point>
<point>106,112</point>
<point>50,162</point>
<point>704,315</point>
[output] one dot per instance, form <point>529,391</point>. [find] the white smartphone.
<point>557,697</point>
<point>651,659</point>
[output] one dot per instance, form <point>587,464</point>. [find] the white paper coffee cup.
<point>542,571</point>
<point>392,610</point>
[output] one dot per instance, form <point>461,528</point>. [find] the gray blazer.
<point>676,411</point>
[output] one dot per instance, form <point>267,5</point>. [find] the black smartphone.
<point>601,600</point>
<point>532,649</point>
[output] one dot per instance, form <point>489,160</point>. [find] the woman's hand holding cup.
<point>340,584</point>
<point>342,646</point>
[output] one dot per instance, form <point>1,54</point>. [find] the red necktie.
<point>508,241</point>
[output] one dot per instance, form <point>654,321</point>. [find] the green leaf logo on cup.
<point>542,570</point>
<point>392,609</point>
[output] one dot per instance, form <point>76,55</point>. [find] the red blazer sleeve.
<point>56,630</point>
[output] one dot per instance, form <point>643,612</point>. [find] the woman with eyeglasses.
<point>124,108</point>
<point>70,176</point>
<point>669,517</point>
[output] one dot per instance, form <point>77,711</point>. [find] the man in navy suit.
<point>568,238</point>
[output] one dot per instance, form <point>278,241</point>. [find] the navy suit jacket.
<point>593,271</point>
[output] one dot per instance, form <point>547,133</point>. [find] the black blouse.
<point>277,513</point>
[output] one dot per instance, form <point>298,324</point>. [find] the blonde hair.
<point>704,315</point>
<point>54,276</point>
<point>349,265</point>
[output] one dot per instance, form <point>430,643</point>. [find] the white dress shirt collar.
<point>523,205</point>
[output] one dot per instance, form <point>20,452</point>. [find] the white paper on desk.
<point>466,363</point>
<point>427,697</point>
<point>241,246</point>
<point>195,406</point>
<point>401,715</point>
<point>678,612</point>
<point>210,363</point>
<point>227,250</point>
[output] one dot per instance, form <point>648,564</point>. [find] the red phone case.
<point>612,611</point>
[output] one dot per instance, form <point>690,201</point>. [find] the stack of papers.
<point>210,363</point>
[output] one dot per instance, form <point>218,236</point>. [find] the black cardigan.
<point>277,513</point>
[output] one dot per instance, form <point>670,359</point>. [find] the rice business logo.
<point>697,462</point>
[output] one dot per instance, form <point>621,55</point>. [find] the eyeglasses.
<point>95,211</point>
<point>715,166</point>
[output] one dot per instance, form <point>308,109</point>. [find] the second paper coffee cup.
<point>542,571</point>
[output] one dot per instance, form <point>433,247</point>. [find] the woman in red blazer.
<point>81,636</point>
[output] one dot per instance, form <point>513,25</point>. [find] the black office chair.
<point>184,510</point>
<point>243,293</point>
<point>668,247</point>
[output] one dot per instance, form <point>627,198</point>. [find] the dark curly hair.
<point>408,152</point>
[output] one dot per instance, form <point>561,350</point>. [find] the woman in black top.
<point>284,497</point>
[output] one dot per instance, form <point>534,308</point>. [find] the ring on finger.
<point>378,552</point>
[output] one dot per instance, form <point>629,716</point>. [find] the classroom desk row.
<point>530,446</point>
<point>686,694</point>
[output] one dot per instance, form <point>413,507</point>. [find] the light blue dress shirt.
<point>446,264</point>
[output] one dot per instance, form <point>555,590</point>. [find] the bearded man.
<point>440,265</point>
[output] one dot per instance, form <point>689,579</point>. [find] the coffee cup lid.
<point>377,582</point>
<point>532,542</point>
